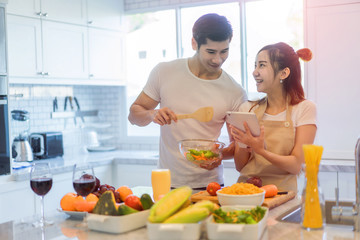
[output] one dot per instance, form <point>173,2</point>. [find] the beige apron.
<point>279,139</point>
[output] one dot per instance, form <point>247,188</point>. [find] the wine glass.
<point>41,183</point>
<point>84,180</point>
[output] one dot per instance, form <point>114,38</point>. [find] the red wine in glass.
<point>41,186</point>
<point>41,183</point>
<point>84,186</point>
<point>84,180</point>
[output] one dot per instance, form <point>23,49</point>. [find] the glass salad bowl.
<point>200,151</point>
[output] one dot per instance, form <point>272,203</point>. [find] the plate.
<point>101,148</point>
<point>74,214</point>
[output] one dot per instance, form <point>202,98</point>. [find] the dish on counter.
<point>174,231</point>
<point>74,214</point>
<point>217,231</point>
<point>100,148</point>
<point>117,224</point>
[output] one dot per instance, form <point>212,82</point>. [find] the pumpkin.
<point>106,205</point>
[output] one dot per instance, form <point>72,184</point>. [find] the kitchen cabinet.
<point>105,55</point>
<point>105,13</point>
<point>134,175</point>
<point>42,49</point>
<point>331,79</point>
<point>69,11</point>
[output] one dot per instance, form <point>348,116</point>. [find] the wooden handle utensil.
<point>204,114</point>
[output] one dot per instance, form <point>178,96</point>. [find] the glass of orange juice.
<point>161,182</point>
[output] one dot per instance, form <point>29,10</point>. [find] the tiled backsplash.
<point>38,101</point>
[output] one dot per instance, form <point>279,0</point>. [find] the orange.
<point>84,206</point>
<point>124,191</point>
<point>92,198</point>
<point>68,200</point>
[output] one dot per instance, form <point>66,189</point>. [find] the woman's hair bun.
<point>305,54</point>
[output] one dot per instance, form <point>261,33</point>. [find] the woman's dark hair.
<point>283,56</point>
<point>212,26</point>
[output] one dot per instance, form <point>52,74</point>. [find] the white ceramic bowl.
<point>249,199</point>
<point>219,231</point>
<point>201,145</point>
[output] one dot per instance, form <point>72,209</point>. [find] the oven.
<point>4,111</point>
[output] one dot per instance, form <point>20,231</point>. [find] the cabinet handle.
<point>40,73</point>
<point>91,75</point>
<point>90,22</point>
<point>46,74</point>
<point>44,15</point>
<point>38,14</point>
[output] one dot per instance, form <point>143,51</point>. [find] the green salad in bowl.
<point>201,151</point>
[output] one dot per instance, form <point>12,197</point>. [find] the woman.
<point>287,120</point>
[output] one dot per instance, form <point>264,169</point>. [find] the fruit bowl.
<point>200,151</point>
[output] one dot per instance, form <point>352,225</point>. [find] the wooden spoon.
<point>204,114</point>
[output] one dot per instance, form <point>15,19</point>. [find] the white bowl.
<point>174,231</point>
<point>248,199</point>
<point>217,231</point>
<point>117,224</point>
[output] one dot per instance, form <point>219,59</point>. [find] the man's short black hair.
<point>212,26</point>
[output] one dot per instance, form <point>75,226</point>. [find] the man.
<point>184,85</point>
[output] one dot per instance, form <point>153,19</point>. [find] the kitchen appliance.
<point>4,114</point>
<point>21,150</point>
<point>47,144</point>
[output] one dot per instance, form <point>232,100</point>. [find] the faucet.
<point>344,213</point>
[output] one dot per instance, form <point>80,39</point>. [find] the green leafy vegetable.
<point>251,216</point>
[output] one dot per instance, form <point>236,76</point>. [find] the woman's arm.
<point>241,157</point>
<point>292,163</point>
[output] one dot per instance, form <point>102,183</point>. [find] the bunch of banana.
<point>175,207</point>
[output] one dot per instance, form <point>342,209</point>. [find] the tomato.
<point>212,188</point>
<point>134,202</point>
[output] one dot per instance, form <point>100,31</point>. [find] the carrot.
<point>270,190</point>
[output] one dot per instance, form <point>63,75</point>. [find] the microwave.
<point>47,144</point>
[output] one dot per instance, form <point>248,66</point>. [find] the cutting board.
<point>268,202</point>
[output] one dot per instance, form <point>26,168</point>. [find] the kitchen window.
<point>164,35</point>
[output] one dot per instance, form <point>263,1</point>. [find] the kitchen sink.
<point>293,215</point>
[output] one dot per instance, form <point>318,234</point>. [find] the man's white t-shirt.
<point>174,86</point>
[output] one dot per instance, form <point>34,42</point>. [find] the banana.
<point>189,215</point>
<point>169,204</point>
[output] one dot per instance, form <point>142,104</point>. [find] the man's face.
<point>213,54</point>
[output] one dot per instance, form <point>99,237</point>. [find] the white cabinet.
<point>105,55</point>
<point>133,175</point>
<point>24,46</point>
<point>64,50</point>
<point>332,80</point>
<point>105,13</point>
<point>70,11</point>
<point>40,48</point>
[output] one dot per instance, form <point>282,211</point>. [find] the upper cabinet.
<point>52,42</point>
<point>332,80</point>
<point>70,11</point>
<point>105,13</point>
<point>46,49</point>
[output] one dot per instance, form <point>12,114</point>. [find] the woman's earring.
<point>281,80</point>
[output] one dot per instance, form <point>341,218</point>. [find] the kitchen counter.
<point>66,227</point>
<point>64,164</point>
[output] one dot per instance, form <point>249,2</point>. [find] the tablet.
<point>237,119</point>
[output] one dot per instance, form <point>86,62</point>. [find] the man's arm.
<point>142,112</point>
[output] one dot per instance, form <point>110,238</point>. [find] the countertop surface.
<point>64,164</point>
<point>65,227</point>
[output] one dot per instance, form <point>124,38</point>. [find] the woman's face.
<point>266,81</point>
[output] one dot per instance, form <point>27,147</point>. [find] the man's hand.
<point>164,116</point>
